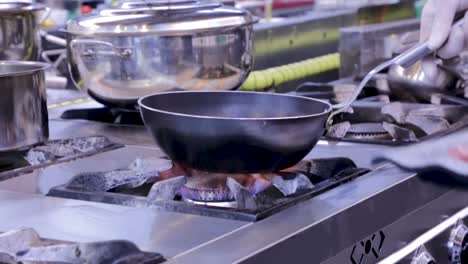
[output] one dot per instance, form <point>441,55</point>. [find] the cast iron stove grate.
<point>380,118</point>
<point>51,152</point>
<point>396,123</point>
<point>26,246</point>
<point>153,183</point>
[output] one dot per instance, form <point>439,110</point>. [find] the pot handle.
<point>123,54</point>
<point>46,14</point>
<point>53,39</point>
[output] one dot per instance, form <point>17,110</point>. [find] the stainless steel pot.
<point>23,106</point>
<point>19,30</point>
<point>120,55</point>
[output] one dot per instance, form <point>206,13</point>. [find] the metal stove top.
<point>329,226</point>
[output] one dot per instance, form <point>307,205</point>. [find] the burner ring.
<point>206,195</point>
<point>367,131</point>
<point>231,204</point>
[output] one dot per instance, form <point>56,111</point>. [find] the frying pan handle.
<point>341,107</point>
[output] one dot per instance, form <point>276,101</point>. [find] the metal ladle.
<point>405,60</point>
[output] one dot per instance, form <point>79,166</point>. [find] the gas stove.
<point>335,200</point>
<point>336,206</point>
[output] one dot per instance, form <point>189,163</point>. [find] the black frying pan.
<point>228,131</point>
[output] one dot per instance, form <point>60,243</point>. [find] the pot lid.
<point>170,17</point>
<point>19,6</point>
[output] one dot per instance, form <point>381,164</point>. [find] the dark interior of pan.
<point>233,132</point>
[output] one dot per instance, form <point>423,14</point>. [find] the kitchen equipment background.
<point>19,29</point>
<point>62,10</point>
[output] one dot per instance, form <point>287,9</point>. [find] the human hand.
<point>436,28</point>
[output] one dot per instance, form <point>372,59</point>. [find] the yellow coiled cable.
<point>264,79</point>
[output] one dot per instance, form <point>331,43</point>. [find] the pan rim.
<point>326,111</point>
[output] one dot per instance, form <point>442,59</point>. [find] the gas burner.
<point>367,131</point>
<point>208,188</point>
<point>226,204</point>
<point>160,183</point>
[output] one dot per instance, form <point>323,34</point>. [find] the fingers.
<point>457,41</point>
<point>463,5</point>
<point>427,19</point>
<point>454,45</point>
<point>436,27</point>
<point>436,21</point>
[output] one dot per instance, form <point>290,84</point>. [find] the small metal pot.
<point>19,30</point>
<point>120,55</point>
<point>23,105</point>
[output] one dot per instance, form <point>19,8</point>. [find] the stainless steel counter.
<point>81,221</point>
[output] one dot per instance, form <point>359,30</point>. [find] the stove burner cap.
<point>367,131</point>
<point>207,188</point>
<point>227,204</point>
<point>206,194</point>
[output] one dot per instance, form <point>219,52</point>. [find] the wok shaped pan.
<point>234,132</point>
